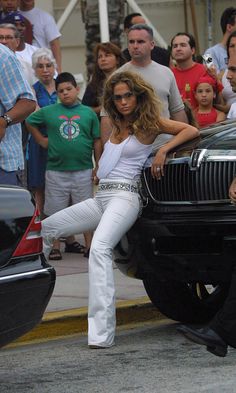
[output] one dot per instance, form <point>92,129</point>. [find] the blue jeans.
<point>111,213</point>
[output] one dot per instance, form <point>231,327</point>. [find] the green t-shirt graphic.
<point>71,133</point>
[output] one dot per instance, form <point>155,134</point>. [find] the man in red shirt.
<point>187,72</point>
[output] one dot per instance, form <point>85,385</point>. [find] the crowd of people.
<point>141,100</point>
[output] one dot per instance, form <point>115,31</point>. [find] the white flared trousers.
<point>111,213</point>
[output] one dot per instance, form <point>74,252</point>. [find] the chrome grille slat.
<point>173,179</point>
<point>202,188</point>
<point>182,190</point>
<point>209,182</point>
<point>197,192</point>
<point>216,184</point>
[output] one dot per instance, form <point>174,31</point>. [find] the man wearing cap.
<point>9,6</point>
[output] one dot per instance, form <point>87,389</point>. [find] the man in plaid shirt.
<point>16,103</point>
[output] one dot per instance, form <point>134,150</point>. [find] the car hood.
<point>218,137</point>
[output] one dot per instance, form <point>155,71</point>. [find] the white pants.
<point>111,213</point>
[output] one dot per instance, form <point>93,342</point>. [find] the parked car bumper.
<point>189,243</point>
<point>25,291</point>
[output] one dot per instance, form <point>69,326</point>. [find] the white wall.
<point>46,5</point>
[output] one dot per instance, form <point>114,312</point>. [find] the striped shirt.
<point>13,86</point>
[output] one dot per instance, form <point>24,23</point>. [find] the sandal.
<point>86,253</point>
<point>55,255</point>
<point>75,247</point>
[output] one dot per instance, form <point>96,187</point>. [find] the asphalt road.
<point>151,358</point>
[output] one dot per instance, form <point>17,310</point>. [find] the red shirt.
<point>186,81</point>
<point>205,119</point>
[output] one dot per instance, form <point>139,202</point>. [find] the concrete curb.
<point>70,322</point>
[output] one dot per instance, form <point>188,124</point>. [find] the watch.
<point>7,119</point>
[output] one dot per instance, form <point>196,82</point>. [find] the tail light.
<point>31,242</point>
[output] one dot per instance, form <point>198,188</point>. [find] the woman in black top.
<point>108,58</point>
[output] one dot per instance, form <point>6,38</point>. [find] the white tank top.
<point>124,160</point>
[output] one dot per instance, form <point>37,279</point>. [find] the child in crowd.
<point>205,92</point>
<point>73,133</point>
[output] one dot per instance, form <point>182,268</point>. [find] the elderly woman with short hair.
<point>44,66</point>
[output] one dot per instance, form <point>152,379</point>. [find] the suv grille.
<point>210,182</point>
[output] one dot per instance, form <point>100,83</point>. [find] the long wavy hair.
<point>145,120</point>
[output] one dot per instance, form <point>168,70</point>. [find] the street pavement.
<point>67,312</point>
<point>71,289</point>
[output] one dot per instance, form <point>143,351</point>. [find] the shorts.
<point>63,189</point>
<point>10,178</point>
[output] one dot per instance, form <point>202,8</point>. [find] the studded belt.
<point>118,187</point>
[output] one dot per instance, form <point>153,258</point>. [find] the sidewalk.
<point>71,289</point>
<point>66,312</point>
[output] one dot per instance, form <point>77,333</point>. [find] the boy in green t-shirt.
<point>73,134</point>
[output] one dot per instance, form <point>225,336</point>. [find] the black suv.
<point>183,246</point>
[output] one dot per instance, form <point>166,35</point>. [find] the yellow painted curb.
<point>70,322</point>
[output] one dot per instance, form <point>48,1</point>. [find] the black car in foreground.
<point>26,280</point>
<point>183,246</point>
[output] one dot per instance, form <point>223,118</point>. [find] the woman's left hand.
<point>157,168</point>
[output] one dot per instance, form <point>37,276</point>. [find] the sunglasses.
<point>127,96</point>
